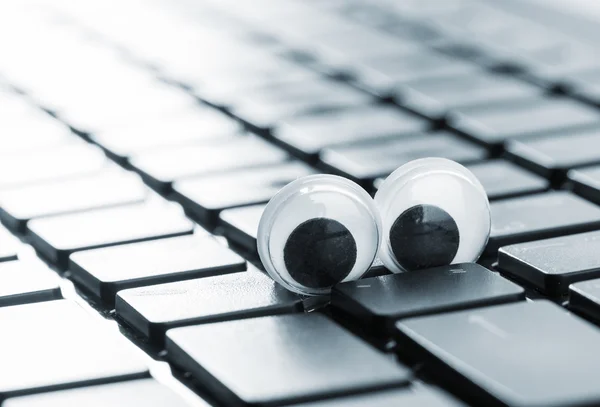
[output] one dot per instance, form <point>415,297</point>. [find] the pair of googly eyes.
<point>323,229</point>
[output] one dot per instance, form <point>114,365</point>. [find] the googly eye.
<point>434,212</point>
<point>318,231</point>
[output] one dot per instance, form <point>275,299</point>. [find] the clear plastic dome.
<point>434,212</point>
<point>318,231</point>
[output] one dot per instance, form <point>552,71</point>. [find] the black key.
<point>240,226</point>
<point>153,310</point>
<point>493,126</point>
<point>383,75</point>
<point>205,197</point>
<point>309,135</point>
<point>143,392</point>
<point>583,298</point>
<point>9,245</point>
<point>502,179</point>
<point>62,162</point>
<point>509,355</point>
<point>365,162</point>
<point>105,271</point>
<point>414,396</point>
<point>435,97</point>
<point>552,157</point>
<point>280,360</point>
<point>58,236</point>
<point>540,216</point>
<point>377,303</point>
<point>55,345</point>
<point>189,127</point>
<point>111,187</point>
<point>268,106</point>
<point>552,264</point>
<point>161,168</point>
<point>586,182</point>
<point>24,282</point>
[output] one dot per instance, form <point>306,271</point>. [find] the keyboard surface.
<point>138,150</point>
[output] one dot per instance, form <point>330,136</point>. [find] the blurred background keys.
<point>247,294</point>
<point>485,354</point>
<point>104,272</point>
<point>279,360</point>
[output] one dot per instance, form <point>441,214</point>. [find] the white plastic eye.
<point>318,231</point>
<point>434,212</point>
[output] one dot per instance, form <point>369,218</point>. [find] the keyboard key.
<point>9,245</point>
<point>585,84</point>
<point>510,355</point>
<point>146,392</point>
<point>205,197</point>
<point>559,60</point>
<point>57,237</point>
<point>309,135</point>
<point>24,282</point>
<point>583,298</point>
<point>279,360</point>
<point>161,168</point>
<point>240,226</point>
<point>104,272</point>
<point>365,162</point>
<point>502,179</point>
<point>540,216</point>
<point>268,106</point>
<point>435,97</point>
<point>110,187</point>
<point>586,182</point>
<point>494,126</point>
<point>55,345</point>
<point>377,303</point>
<point>552,264</point>
<point>189,127</point>
<point>61,162</point>
<point>552,157</point>
<point>155,309</point>
<point>33,131</point>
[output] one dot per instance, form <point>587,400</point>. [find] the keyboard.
<point>140,142</point>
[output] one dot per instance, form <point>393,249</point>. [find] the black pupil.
<point>320,253</point>
<point>424,236</point>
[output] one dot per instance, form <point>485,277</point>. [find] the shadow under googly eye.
<point>424,236</point>
<point>319,253</point>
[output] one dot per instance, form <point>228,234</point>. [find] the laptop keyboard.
<point>140,142</point>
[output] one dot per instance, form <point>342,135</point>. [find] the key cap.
<point>155,309</point>
<point>106,271</point>
<point>161,168</point>
<point>280,360</point>
<point>552,157</point>
<point>552,264</point>
<point>9,245</point>
<point>240,226</point>
<point>365,162</point>
<point>57,237</point>
<point>205,197</point>
<point>583,298</point>
<point>377,303</point>
<point>493,126</point>
<point>196,125</point>
<point>55,345</point>
<point>540,216</point>
<point>62,162</point>
<point>107,188</point>
<point>586,182</point>
<point>307,136</point>
<point>268,106</point>
<point>435,97</point>
<point>509,355</point>
<point>418,395</point>
<point>23,282</point>
<point>31,131</point>
<point>146,392</point>
<point>559,60</point>
<point>502,179</point>
<point>585,84</point>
